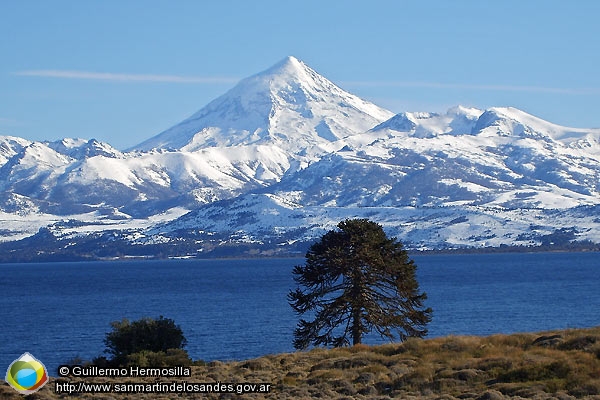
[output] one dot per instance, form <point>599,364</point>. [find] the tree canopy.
<point>146,334</point>
<point>357,280</point>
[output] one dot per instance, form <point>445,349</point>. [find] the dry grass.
<point>455,367</point>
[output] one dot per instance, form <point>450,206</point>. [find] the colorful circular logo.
<point>26,374</point>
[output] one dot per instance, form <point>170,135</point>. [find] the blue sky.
<point>123,71</point>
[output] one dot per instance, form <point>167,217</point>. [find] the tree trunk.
<point>356,327</point>
<point>358,287</point>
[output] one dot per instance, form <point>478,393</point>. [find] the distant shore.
<point>27,257</point>
<point>575,247</point>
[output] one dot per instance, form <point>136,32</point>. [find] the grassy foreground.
<point>549,365</point>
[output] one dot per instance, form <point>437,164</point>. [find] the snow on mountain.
<point>192,178</point>
<point>286,154</point>
<point>276,224</point>
<point>496,121</point>
<point>81,148</point>
<point>468,177</point>
<point>270,124</point>
<point>139,184</point>
<point>509,119</point>
<point>461,157</point>
<point>458,120</point>
<point>289,105</point>
<point>33,169</point>
<point>10,146</point>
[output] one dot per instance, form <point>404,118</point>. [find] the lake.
<point>237,309</point>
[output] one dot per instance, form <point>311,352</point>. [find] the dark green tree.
<point>357,280</point>
<point>144,335</point>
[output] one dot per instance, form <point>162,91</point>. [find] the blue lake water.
<point>237,309</point>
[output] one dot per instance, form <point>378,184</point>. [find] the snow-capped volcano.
<point>285,155</point>
<point>289,105</point>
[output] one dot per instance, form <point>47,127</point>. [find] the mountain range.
<point>284,156</point>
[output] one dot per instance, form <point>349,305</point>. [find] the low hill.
<point>549,365</point>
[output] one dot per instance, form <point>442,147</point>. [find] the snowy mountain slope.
<point>277,224</point>
<point>81,148</point>
<point>466,178</point>
<point>286,154</point>
<point>458,120</point>
<point>10,146</point>
<point>463,157</point>
<point>196,178</point>
<point>517,122</point>
<point>496,121</point>
<point>17,226</point>
<point>138,184</point>
<point>288,105</point>
<point>33,170</point>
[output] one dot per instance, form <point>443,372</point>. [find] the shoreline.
<point>461,251</point>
